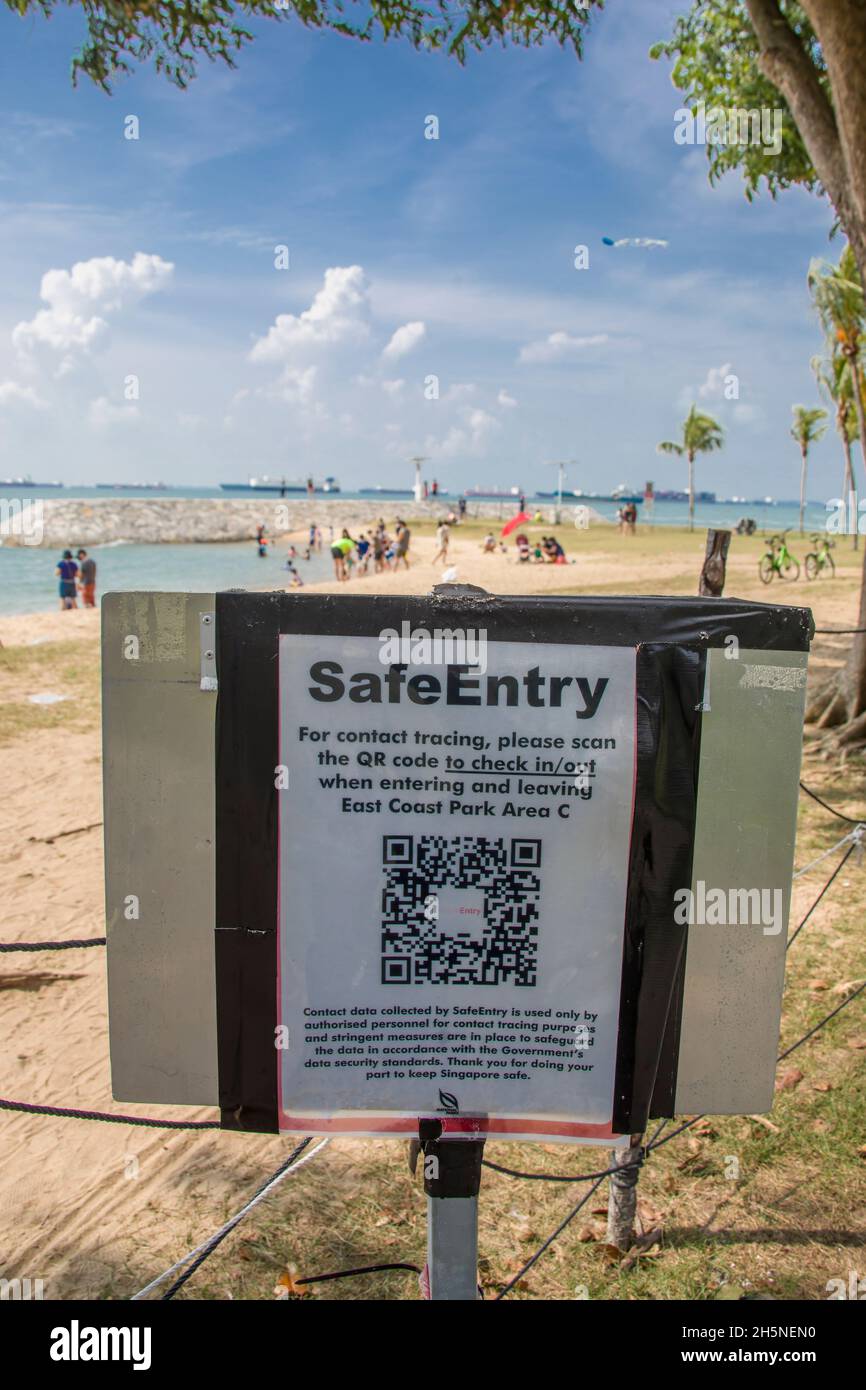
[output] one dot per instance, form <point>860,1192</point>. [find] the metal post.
<point>452,1178</point>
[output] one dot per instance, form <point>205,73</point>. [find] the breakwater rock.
<point>150,521</point>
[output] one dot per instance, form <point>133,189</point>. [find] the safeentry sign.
<point>449,832</point>
<point>453,855</point>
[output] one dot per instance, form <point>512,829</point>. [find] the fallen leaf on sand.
<point>789,1079</point>
<point>822,1085</point>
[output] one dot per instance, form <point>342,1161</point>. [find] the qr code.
<point>421,944</point>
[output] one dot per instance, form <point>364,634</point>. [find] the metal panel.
<point>751,741</point>
<point>158,731</point>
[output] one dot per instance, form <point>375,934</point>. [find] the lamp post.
<point>419,487</point>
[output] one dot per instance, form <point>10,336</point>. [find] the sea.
<point>28,583</point>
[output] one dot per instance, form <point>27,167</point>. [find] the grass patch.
<point>62,668</point>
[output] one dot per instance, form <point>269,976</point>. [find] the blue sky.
<point>164,249</point>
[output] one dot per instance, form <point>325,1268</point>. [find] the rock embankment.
<point>151,521</point>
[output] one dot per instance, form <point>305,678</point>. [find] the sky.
<point>284,274</point>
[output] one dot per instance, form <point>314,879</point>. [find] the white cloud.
<point>393,388</point>
<point>505,400</point>
<point>559,345</point>
<point>78,299</point>
<point>470,438</point>
<point>337,314</point>
<point>296,385</point>
<point>103,413</point>
<point>404,340</point>
<point>12,392</point>
<point>459,391</point>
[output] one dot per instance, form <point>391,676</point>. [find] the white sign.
<point>453,853</point>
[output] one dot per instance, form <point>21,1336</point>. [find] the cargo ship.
<point>26,483</point>
<point>133,487</point>
<point>284,487</point>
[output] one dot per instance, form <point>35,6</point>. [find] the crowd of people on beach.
<point>76,576</point>
<point>356,554</point>
<point>545,550</point>
<point>375,546</point>
<point>378,551</point>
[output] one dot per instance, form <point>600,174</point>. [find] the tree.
<point>701,435</point>
<point>809,56</point>
<point>176,36</point>
<point>833,375</point>
<point>837,294</point>
<point>806,430</point>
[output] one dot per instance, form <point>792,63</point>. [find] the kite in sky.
<point>633,241</point>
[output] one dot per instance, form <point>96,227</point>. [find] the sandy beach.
<point>97,1209</point>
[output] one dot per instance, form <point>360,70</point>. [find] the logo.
<point>448,1104</point>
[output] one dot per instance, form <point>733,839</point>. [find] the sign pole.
<point>452,1179</point>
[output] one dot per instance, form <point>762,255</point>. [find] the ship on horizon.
<point>284,486</point>
<point>133,487</point>
<point>26,482</point>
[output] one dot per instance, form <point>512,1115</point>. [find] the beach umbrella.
<point>520,520</point>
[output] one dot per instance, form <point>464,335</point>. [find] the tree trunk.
<point>834,133</point>
<point>804,454</point>
<point>848,491</point>
<point>691,492</point>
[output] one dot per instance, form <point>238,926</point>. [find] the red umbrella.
<point>520,520</point>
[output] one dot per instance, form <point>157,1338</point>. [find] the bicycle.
<point>778,560</point>
<point>820,559</point>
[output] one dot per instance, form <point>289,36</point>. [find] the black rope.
<point>839,631</point>
<point>852,820</point>
<point>550,1239</point>
<point>108,1119</point>
<point>659,1143</point>
<point>226,1230</point>
<point>564,1177</point>
<point>813,1031</point>
<point>347,1273</point>
<point>51,945</point>
<point>839,867</point>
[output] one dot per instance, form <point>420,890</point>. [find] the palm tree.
<point>837,294</point>
<point>833,375</point>
<point>806,430</point>
<point>701,435</point>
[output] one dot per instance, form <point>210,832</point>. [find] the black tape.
<point>670,681</point>
<point>671,636</point>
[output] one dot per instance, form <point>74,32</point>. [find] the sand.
<point>95,1209</point>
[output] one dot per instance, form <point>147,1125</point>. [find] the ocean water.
<point>28,583</point>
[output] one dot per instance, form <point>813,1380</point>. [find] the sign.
<point>453,858</point>
<point>217,866</point>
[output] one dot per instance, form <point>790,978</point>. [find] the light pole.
<point>419,487</point>
<point>562,467</point>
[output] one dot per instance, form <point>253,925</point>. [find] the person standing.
<point>87,573</point>
<point>404,535</point>
<point>67,572</point>
<point>443,536</point>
